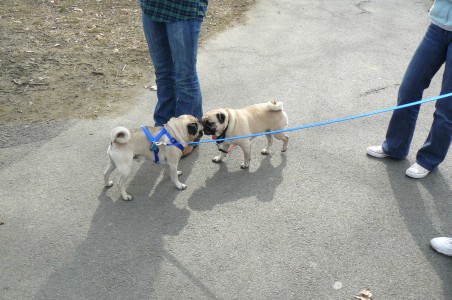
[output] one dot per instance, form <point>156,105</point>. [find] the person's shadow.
<point>226,186</point>
<point>123,251</point>
<point>423,220</point>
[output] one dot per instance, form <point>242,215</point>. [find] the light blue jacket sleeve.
<point>441,14</point>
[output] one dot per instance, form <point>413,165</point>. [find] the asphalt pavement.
<point>322,221</point>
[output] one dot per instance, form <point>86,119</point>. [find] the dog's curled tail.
<point>275,105</point>
<point>120,135</point>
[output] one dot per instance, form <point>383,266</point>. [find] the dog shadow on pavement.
<point>226,186</point>
<point>423,220</point>
<point>124,249</point>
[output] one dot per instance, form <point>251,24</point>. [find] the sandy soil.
<point>73,59</point>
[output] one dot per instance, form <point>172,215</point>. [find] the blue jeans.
<point>174,48</point>
<point>434,50</point>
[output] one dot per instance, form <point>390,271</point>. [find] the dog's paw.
<point>179,173</point>
<point>216,159</point>
<point>109,184</point>
<point>283,150</point>
<point>127,197</point>
<point>265,151</point>
<point>244,166</point>
<point>181,187</point>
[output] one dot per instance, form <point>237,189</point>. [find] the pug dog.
<point>127,145</point>
<point>226,122</point>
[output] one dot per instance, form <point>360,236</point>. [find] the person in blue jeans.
<point>434,50</point>
<point>172,29</point>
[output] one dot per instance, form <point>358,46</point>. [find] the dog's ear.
<point>221,117</point>
<point>192,128</point>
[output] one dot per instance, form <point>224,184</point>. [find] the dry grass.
<point>65,59</point>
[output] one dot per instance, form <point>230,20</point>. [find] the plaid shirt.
<point>174,10</point>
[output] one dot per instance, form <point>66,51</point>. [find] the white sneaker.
<point>417,171</point>
<point>442,245</point>
<point>376,151</point>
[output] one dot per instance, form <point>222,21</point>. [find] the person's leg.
<point>183,39</point>
<point>427,60</point>
<point>157,39</point>
<point>439,139</point>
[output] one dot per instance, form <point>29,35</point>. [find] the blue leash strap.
<point>153,140</point>
<point>332,121</point>
<point>154,147</point>
<point>173,141</point>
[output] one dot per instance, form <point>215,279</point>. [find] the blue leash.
<point>330,121</point>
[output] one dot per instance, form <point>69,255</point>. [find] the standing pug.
<point>127,145</point>
<point>226,122</point>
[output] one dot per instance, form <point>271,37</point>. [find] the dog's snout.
<point>209,130</point>
<point>209,126</point>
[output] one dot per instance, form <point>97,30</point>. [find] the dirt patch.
<point>71,59</point>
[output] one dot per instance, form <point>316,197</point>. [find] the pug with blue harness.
<point>162,145</point>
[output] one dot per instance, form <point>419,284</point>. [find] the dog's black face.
<point>213,123</point>
<point>209,127</point>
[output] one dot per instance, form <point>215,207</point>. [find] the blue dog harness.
<point>155,143</point>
